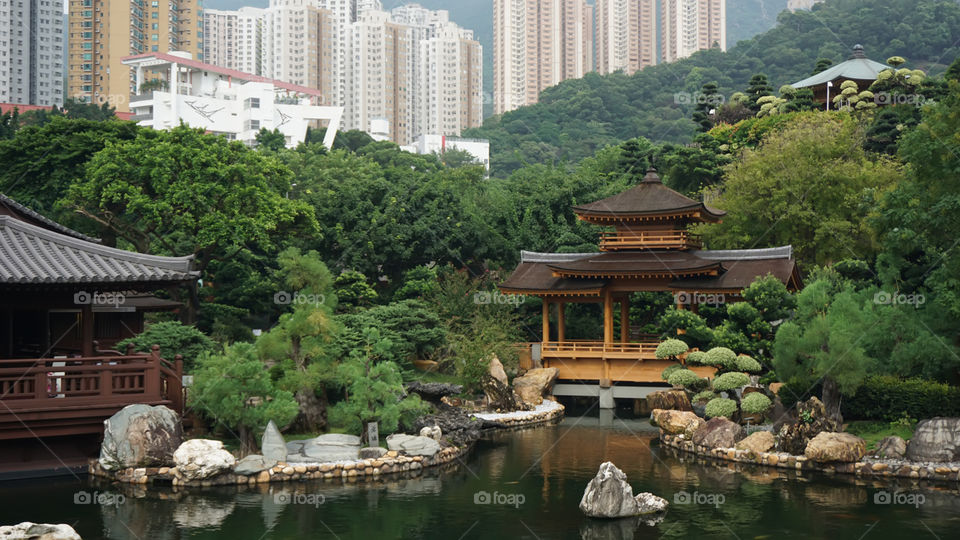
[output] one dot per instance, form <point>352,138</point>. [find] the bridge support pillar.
<point>606,398</point>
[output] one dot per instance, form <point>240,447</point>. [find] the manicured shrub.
<point>697,358</point>
<point>721,357</point>
<point>885,397</point>
<point>748,364</point>
<point>173,338</point>
<point>721,407</point>
<point>686,379</point>
<point>671,348</point>
<point>730,381</point>
<point>755,403</point>
<point>665,374</point>
<point>706,395</point>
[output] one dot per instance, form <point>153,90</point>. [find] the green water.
<point>534,479</point>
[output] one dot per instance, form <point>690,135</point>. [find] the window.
<point>251,125</point>
<point>251,103</point>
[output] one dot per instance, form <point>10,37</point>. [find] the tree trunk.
<point>248,443</point>
<point>313,412</point>
<point>831,400</point>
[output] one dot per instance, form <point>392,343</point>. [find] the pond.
<point>520,484</point>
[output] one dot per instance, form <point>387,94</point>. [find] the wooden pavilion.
<point>648,249</point>
<point>858,68</point>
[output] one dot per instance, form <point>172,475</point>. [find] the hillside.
<point>577,117</point>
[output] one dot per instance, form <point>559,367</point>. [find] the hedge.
<point>886,397</point>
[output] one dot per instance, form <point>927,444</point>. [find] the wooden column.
<point>607,317</point>
<point>86,329</point>
<point>625,319</point>
<point>561,320</point>
<point>546,320</point>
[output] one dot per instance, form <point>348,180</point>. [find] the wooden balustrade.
<point>634,362</point>
<point>617,240</point>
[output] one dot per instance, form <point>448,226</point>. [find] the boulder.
<point>434,432</point>
<point>676,422</point>
<point>433,392</point>
<point>673,399</point>
<point>719,433</point>
<point>272,446</point>
<point>332,447</point>
<point>936,439</point>
<point>757,442</point>
<point>140,436</point>
<point>295,447</point>
<point>497,372</point>
<point>413,445</point>
<point>534,384</point>
<point>38,531</point>
<point>829,447</point>
<point>892,447</point>
<point>253,464</point>
<point>608,495</point>
<point>501,397</point>
<point>372,452</point>
<point>200,459</point>
<point>811,419</point>
<point>458,427</point>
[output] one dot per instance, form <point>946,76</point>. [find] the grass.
<point>872,431</point>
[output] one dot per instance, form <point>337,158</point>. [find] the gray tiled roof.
<point>33,255</point>
<point>47,222</point>
<point>858,67</point>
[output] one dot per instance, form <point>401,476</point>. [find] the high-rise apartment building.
<point>626,35</point>
<point>687,26</point>
<point>103,32</point>
<point>31,52</point>
<point>450,89</point>
<point>538,44</point>
<point>299,45</point>
<point>235,39</point>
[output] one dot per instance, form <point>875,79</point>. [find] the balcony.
<point>626,240</point>
<point>634,362</point>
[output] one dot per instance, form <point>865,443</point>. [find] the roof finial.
<point>858,51</point>
<point>651,177</point>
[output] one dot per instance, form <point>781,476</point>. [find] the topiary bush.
<point>671,348</point>
<point>173,338</point>
<point>706,395</point>
<point>721,407</point>
<point>886,397</point>
<point>748,364</point>
<point>721,357</point>
<point>755,403</point>
<point>665,374</point>
<point>686,379</point>
<point>730,381</point>
<point>697,358</point>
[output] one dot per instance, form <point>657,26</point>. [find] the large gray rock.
<point>676,422</point>
<point>38,531</point>
<point>534,384</point>
<point>829,447</point>
<point>272,446</point>
<point>372,452</point>
<point>719,433</point>
<point>140,436</point>
<point>252,464</point>
<point>413,445</point>
<point>497,372</point>
<point>936,439</point>
<point>608,495</point>
<point>200,459</point>
<point>892,447</point>
<point>333,447</point>
<point>295,447</point>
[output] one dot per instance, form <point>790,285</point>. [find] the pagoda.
<point>648,249</point>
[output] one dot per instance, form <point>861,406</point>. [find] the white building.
<point>237,39</point>
<point>31,51</point>
<point>438,144</point>
<point>451,82</point>
<point>224,101</point>
<point>687,26</point>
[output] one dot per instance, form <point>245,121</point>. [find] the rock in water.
<point>38,531</point>
<point>413,445</point>
<point>669,400</point>
<point>333,447</point>
<point>273,446</point>
<point>200,459</point>
<point>757,442</point>
<point>829,447</point>
<point>140,436</point>
<point>936,439</point>
<point>793,438</point>
<point>719,433</point>
<point>501,397</point>
<point>676,422</point>
<point>534,384</point>
<point>458,427</point>
<point>253,463</point>
<point>608,495</point>
<point>892,447</point>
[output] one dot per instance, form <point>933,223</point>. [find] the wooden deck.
<point>617,362</point>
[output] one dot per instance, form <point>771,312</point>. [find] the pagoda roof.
<point>26,214</point>
<point>648,198</point>
<point>858,67</point>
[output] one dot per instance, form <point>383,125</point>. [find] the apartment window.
<point>251,103</point>
<point>154,48</point>
<point>155,26</point>
<point>251,125</point>
<point>154,37</point>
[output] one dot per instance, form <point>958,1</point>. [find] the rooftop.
<point>649,198</point>
<point>858,67</point>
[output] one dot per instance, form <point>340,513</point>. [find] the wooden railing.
<point>597,349</point>
<point>616,240</point>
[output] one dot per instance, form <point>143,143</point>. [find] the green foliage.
<point>352,290</point>
<point>718,407</point>
<point>748,364</point>
<point>173,338</point>
<point>706,395</point>
<point>721,357</point>
<point>671,348</point>
<point>418,282</point>
<point>670,370</point>
<point>686,379</point>
<point>886,397</point>
<point>413,330</point>
<point>270,141</point>
<point>755,403</point>
<point>697,358</point>
<point>697,334</point>
<point>730,381</point>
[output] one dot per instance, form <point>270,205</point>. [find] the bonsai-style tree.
<point>748,364</point>
<point>721,357</point>
<point>721,407</point>
<point>687,379</point>
<point>671,349</point>
<point>173,338</point>
<point>755,403</point>
<point>730,381</point>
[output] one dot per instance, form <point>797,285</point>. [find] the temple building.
<point>858,68</point>
<point>648,249</point>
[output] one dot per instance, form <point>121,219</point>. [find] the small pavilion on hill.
<point>858,68</point>
<point>648,249</point>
